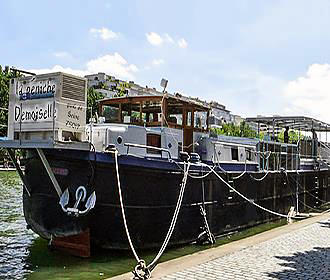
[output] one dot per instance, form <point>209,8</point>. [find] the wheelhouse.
<point>159,111</point>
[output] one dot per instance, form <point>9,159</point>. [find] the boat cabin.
<point>165,125</point>
<point>179,115</point>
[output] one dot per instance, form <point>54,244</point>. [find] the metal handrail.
<point>128,145</point>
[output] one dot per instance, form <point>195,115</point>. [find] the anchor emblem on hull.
<point>80,198</point>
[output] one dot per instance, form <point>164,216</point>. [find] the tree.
<point>293,136</point>
<point>92,105</point>
<point>5,76</point>
<point>230,129</point>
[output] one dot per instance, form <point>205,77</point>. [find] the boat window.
<point>234,153</point>
<point>131,113</point>
<point>150,112</point>
<point>174,115</point>
<point>248,155</point>
<point>200,120</point>
<point>125,115</point>
<point>110,112</point>
<point>153,140</point>
<point>189,118</point>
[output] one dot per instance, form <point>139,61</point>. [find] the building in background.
<point>111,87</point>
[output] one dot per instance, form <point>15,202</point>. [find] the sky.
<point>256,57</point>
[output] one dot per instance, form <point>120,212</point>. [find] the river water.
<point>24,255</point>
<point>15,240</point>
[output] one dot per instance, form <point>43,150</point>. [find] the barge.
<point>148,172</point>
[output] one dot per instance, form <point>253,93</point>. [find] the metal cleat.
<point>80,197</point>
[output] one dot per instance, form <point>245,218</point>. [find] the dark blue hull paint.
<point>150,191</point>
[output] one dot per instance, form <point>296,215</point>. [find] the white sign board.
<point>32,89</point>
<point>34,112</point>
<point>47,106</point>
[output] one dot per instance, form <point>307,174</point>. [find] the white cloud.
<point>112,64</point>
<point>62,54</point>
<point>104,33</point>
<point>168,38</point>
<point>154,39</point>
<point>59,68</point>
<point>157,62</point>
<point>310,94</point>
<point>182,43</point>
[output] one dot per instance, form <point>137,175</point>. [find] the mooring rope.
<point>259,179</point>
<point>212,170</point>
<point>151,266</point>
<point>249,200</point>
<point>123,210</point>
<point>143,271</point>
<point>239,176</point>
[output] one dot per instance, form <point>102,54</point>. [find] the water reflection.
<point>14,238</point>
<point>24,255</point>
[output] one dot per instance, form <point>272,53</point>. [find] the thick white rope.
<point>239,176</point>
<point>249,200</point>
<point>195,176</point>
<point>141,263</point>
<point>212,170</point>
<point>260,179</point>
<point>174,219</point>
<point>123,210</point>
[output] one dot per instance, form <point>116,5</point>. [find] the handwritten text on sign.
<point>34,113</point>
<point>73,116</point>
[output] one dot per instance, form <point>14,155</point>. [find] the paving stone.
<point>301,254</point>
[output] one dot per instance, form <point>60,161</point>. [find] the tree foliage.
<point>293,136</point>
<point>122,88</point>
<point>92,106</point>
<point>241,130</point>
<point>5,76</point>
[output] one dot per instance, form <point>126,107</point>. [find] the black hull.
<point>150,191</point>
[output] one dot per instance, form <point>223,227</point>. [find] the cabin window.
<point>131,113</point>
<point>174,115</point>
<point>200,120</point>
<point>248,155</point>
<point>150,112</point>
<point>189,118</point>
<point>153,140</point>
<point>110,112</point>
<point>234,153</point>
